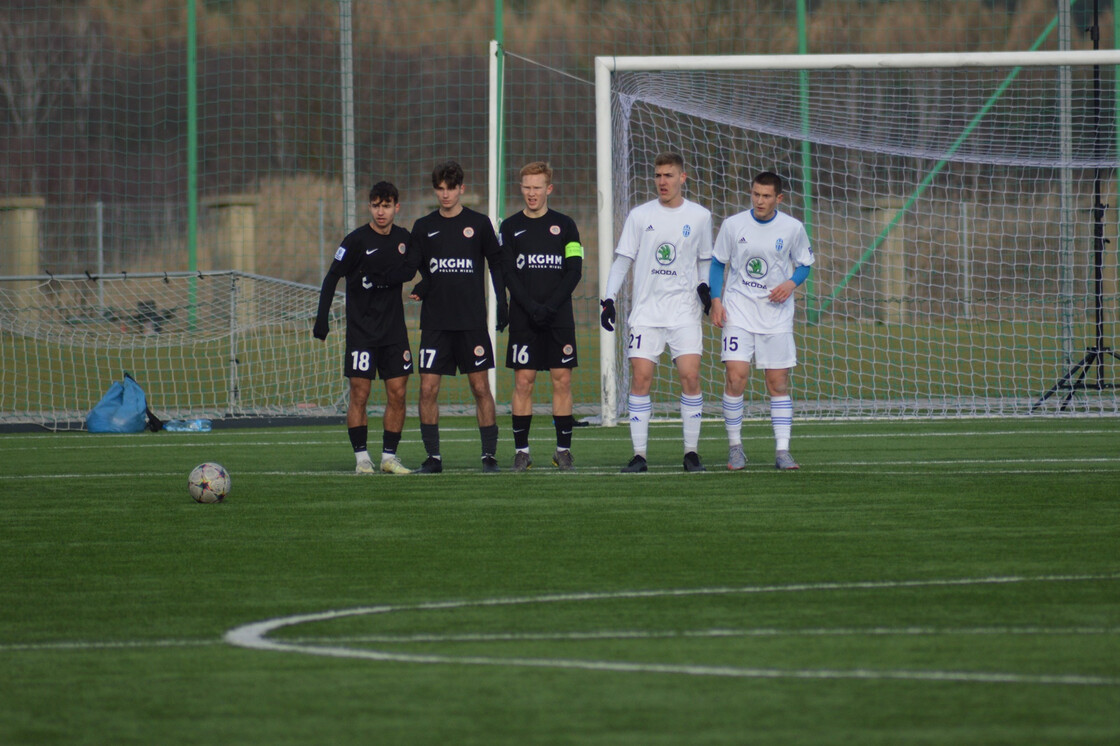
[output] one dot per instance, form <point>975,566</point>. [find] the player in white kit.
<point>760,256</point>
<point>668,242</point>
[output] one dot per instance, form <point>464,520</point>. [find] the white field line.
<point>991,468</point>
<point>80,442</point>
<point>255,636</point>
<point>714,633</point>
<point>772,632</point>
<point>866,468</point>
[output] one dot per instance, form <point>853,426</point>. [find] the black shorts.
<point>542,350</point>
<point>386,361</point>
<point>442,351</point>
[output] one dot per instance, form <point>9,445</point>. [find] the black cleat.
<point>490,464</point>
<point>692,462</point>
<point>431,465</point>
<point>636,465</point>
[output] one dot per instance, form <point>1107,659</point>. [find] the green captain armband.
<point>573,249</point>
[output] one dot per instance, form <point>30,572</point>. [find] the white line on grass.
<point>81,645</point>
<point>863,468</point>
<point>713,633</point>
<point>106,645</point>
<point>255,635</point>
<point>195,440</point>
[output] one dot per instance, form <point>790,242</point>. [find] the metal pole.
<point>604,132</point>
<point>1067,208</point>
<point>192,161</point>
<point>346,54</point>
<point>99,211</point>
<point>322,240</point>
<point>806,147</point>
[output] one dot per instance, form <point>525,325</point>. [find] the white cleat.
<point>394,466</point>
<point>365,466</point>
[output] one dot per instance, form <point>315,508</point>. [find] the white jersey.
<point>759,257</point>
<point>666,244</point>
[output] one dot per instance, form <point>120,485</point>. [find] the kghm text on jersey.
<point>450,265</point>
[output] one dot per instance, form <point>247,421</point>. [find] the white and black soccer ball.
<point>209,483</point>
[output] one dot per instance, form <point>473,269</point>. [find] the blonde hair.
<point>537,167</point>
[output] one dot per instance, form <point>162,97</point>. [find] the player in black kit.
<point>453,242</point>
<point>543,264</point>
<point>376,260</point>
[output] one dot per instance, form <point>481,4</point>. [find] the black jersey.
<point>451,253</point>
<point>375,267</point>
<point>543,263</point>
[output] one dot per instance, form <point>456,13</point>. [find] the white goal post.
<point>948,197</point>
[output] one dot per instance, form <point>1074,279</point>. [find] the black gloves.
<point>503,316</point>
<point>705,294</point>
<point>420,289</point>
<point>607,318</point>
<point>541,314</point>
<point>321,329</point>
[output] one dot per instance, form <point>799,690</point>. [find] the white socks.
<point>781,417</point>
<point>641,407</point>
<point>733,419</point>
<point>692,412</point>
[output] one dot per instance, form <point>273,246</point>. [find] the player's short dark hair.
<point>384,191</point>
<point>770,179</point>
<point>449,173</point>
<point>669,159</point>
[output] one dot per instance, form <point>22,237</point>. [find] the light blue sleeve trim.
<point>800,274</point>
<point>715,277</point>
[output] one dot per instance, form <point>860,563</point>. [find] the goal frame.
<point>606,66</point>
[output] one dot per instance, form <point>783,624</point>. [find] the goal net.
<point>952,202</point>
<point>208,344</point>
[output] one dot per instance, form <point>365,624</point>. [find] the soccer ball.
<point>209,483</point>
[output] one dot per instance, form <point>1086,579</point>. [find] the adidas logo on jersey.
<point>649,228</point>
<point>742,239</point>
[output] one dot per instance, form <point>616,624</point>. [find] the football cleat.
<point>692,462</point>
<point>394,466</point>
<point>636,465</point>
<point>784,462</point>
<point>364,466</point>
<point>736,459</point>
<point>431,465</point>
<point>522,461</point>
<point>563,460</point>
<point>490,464</point>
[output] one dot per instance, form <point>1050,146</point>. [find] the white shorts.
<point>767,351</point>
<point>648,342</point>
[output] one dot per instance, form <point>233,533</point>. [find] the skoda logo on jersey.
<point>666,254</point>
<point>521,261</point>
<point>686,230</point>
<point>756,267</point>
<point>450,265</point>
<point>778,246</point>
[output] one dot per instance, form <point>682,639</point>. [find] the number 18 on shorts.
<point>387,361</point>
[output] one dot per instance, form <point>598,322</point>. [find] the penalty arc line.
<point>255,636</point>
